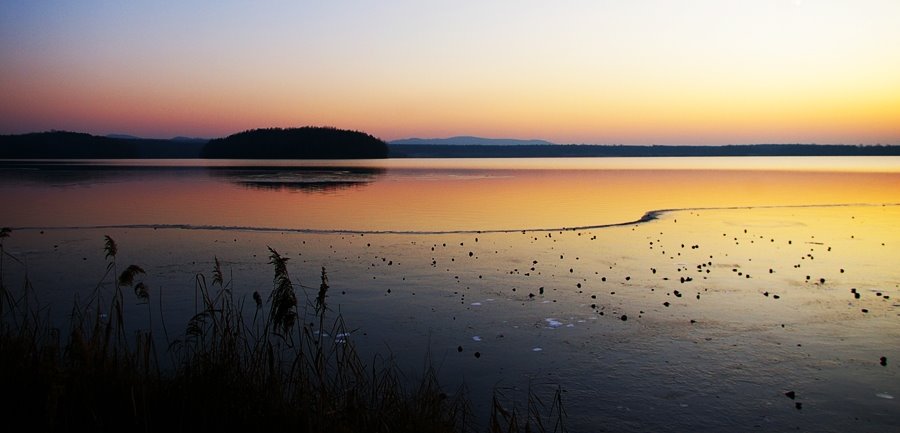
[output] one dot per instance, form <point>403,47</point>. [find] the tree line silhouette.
<point>271,143</point>
<point>297,143</point>
<point>77,145</point>
<point>587,150</point>
<point>332,143</point>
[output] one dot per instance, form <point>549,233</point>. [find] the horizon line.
<point>127,136</point>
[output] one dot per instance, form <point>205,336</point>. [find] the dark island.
<point>297,143</point>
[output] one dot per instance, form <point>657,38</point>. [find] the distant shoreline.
<point>71,145</point>
<point>620,151</point>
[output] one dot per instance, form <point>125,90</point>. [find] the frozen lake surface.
<point>761,279</point>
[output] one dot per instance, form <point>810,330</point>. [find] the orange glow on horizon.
<point>649,72</point>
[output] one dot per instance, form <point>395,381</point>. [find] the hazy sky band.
<point>634,72</point>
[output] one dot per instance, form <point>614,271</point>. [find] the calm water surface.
<point>425,195</point>
<point>740,293</point>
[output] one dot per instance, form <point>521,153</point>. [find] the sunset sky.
<point>605,72</point>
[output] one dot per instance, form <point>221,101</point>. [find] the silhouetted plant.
<point>284,301</point>
<point>277,372</point>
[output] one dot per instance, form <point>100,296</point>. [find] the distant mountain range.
<point>465,140</point>
<point>179,138</point>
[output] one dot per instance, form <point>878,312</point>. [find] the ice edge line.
<point>648,216</point>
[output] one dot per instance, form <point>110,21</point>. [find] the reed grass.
<point>290,366</point>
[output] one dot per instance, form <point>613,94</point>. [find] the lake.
<point>660,294</point>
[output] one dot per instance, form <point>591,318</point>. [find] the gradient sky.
<point>630,72</point>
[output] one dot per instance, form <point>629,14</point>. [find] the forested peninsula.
<point>77,145</point>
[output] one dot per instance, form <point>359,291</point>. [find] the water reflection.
<point>65,174</point>
<point>298,178</point>
<point>403,196</point>
<point>311,179</point>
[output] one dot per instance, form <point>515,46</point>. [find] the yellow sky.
<point>632,72</point>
